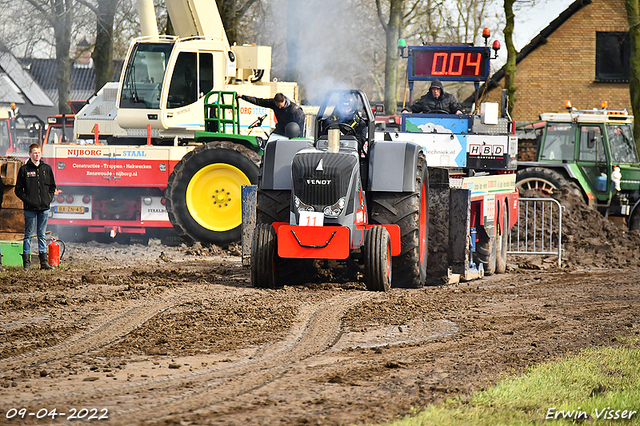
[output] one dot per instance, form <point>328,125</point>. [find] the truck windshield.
<point>623,148</point>
<point>144,75</point>
<point>61,135</point>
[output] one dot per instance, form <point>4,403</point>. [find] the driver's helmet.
<point>348,103</point>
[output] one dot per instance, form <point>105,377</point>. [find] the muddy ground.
<point>163,335</point>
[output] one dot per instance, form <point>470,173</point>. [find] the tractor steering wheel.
<point>344,128</point>
<point>437,111</point>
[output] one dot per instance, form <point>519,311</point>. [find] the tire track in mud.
<point>106,331</point>
<point>316,329</point>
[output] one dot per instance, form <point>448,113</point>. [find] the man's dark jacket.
<point>35,186</point>
<point>446,102</point>
<point>285,115</point>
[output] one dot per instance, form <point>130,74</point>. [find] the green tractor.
<point>204,190</point>
<point>590,152</point>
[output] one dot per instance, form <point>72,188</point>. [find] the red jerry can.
<point>54,253</point>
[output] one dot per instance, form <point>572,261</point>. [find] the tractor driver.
<point>348,112</point>
<point>437,101</point>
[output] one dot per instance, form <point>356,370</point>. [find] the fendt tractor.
<point>435,199</point>
<point>592,153</point>
<point>132,166</point>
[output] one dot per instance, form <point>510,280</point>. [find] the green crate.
<point>11,253</point>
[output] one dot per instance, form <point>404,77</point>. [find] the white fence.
<point>539,228</point>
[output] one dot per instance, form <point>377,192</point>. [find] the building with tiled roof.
<point>18,86</point>
<point>82,77</point>
<point>31,84</point>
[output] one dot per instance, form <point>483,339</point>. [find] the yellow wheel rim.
<point>214,197</point>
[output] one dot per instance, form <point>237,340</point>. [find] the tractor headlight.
<point>302,207</point>
<point>336,209</point>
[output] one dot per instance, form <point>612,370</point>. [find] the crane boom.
<point>193,18</point>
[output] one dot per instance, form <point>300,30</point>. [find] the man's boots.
<point>26,260</point>
<point>44,261</point>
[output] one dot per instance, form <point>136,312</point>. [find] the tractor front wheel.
<point>263,256</point>
<point>377,259</point>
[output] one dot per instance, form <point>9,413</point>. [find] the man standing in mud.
<point>35,186</point>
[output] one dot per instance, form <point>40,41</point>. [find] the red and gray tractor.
<point>342,196</point>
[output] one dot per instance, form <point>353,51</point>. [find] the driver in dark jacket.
<point>283,108</point>
<point>437,100</point>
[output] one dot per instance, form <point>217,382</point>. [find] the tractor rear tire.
<point>502,243</point>
<point>263,257</point>
<point>377,259</point>
<point>204,194</point>
<point>411,212</point>
<point>544,181</point>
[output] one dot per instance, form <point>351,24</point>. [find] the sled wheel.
<point>204,194</point>
<point>377,259</point>
<point>486,250</point>
<point>502,243</point>
<point>411,212</point>
<point>544,181</point>
<point>263,256</point>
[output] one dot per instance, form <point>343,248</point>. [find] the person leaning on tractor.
<point>285,110</point>
<point>437,101</point>
<point>35,186</point>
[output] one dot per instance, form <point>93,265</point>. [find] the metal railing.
<point>539,228</point>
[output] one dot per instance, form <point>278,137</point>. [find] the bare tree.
<point>510,67</point>
<point>392,28</point>
<point>59,15</point>
<point>231,12</point>
<point>103,49</point>
<point>634,63</point>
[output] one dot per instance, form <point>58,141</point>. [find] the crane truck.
<point>433,201</point>
<point>132,166</point>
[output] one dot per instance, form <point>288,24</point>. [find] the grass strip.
<point>598,386</point>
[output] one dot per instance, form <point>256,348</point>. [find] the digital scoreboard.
<point>452,63</point>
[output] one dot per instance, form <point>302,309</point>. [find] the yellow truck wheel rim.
<point>214,197</point>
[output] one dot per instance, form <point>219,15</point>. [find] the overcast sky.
<point>530,21</point>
